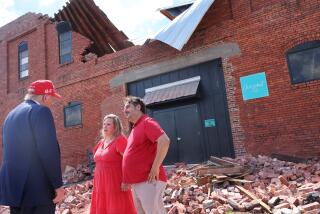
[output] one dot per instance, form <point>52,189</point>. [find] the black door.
<point>182,125</point>
<point>175,115</point>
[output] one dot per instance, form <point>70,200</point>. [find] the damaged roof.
<point>179,31</point>
<point>173,11</point>
<point>90,21</point>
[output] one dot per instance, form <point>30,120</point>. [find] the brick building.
<point>247,81</point>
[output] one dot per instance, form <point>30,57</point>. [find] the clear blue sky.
<point>138,19</point>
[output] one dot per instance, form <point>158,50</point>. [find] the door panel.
<point>189,134</point>
<point>182,126</point>
<point>166,120</point>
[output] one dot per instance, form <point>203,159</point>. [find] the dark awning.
<point>171,91</point>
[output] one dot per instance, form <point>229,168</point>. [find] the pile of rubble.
<point>77,199</point>
<point>246,184</point>
<point>73,175</point>
<point>78,187</point>
<point>242,185</point>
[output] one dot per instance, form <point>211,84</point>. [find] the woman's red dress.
<point>107,197</point>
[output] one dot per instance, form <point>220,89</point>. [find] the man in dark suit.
<point>30,175</point>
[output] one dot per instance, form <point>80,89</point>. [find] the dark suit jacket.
<point>30,168</point>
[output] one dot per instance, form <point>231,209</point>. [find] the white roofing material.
<point>179,31</point>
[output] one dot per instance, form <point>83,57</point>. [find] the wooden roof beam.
<point>109,35</point>
<point>67,18</point>
<point>66,15</point>
<point>120,38</point>
<point>100,44</point>
<point>58,15</point>
<point>79,28</point>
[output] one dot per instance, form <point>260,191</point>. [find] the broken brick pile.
<point>77,199</point>
<point>78,188</point>
<point>73,175</point>
<point>273,187</point>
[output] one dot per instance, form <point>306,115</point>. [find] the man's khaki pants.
<point>148,197</point>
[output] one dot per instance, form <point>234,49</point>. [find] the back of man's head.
<point>41,88</point>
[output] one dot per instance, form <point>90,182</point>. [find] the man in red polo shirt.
<point>142,161</point>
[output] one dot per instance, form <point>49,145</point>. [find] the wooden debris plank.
<point>220,170</point>
<point>210,163</point>
<point>203,180</point>
<point>222,161</point>
<point>239,180</point>
<point>220,177</point>
<point>215,181</point>
<point>195,168</point>
<point>252,196</point>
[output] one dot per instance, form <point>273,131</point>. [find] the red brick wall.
<point>285,122</point>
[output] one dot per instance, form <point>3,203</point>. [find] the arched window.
<point>304,62</point>
<point>23,60</point>
<point>65,42</point>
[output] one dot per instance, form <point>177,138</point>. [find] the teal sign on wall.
<point>210,123</point>
<point>254,86</point>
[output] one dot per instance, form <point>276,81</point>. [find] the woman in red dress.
<point>109,196</point>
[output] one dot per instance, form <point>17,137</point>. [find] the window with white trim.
<point>65,42</point>
<point>23,60</point>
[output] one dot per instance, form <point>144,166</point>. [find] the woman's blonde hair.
<point>116,123</point>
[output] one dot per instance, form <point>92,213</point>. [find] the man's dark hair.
<point>136,101</point>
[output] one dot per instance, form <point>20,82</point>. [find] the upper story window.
<point>304,62</point>
<point>72,114</point>
<point>23,60</point>
<point>65,42</point>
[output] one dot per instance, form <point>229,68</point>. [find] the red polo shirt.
<point>141,151</point>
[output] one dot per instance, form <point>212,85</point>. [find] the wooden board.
<point>222,162</point>
<point>252,196</point>
<point>220,170</point>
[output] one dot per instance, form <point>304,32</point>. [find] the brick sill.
<point>73,127</point>
<point>66,64</point>
<point>312,83</point>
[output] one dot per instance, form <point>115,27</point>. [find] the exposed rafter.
<point>87,19</point>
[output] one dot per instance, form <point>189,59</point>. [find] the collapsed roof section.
<point>90,21</point>
<point>179,31</point>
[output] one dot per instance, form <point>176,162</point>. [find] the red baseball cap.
<point>44,87</point>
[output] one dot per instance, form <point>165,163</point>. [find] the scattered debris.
<point>221,185</point>
<point>74,175</point>
<point>77,199</point>
<point>246,184</point>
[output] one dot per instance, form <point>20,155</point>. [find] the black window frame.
<point>64,28</point>
<point>306,46</point>
<point>70,106</point>
<point>23,47</point>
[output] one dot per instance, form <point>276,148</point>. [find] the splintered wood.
<point>221,185</point>
<point>244,185</point>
